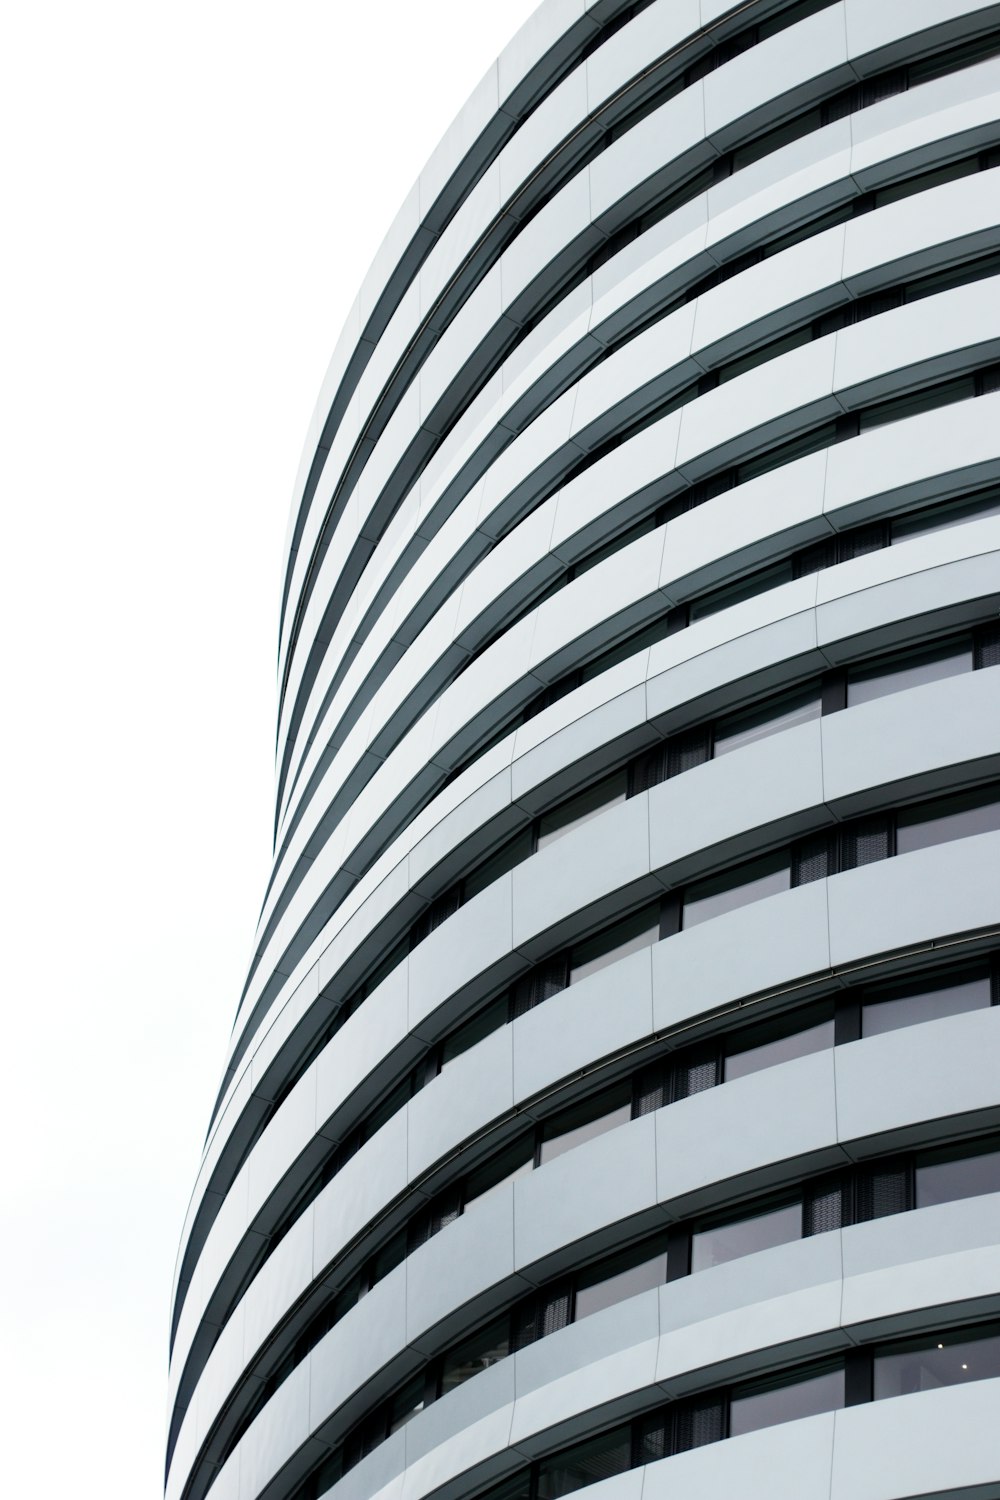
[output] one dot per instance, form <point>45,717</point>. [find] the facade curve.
<point>613,1099</point>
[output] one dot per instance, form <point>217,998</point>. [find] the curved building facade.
<point>614,1097</point>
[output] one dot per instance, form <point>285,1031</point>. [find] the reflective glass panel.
<point>484,1349</point>
<point>965,1177</point>
<point>621,1284</point>
<point>579,810</point>
<point>406,1405</point>
<point>585,1132</point>
<point>586,1464</point>
<point>483,1025</point>
<point>749,588</point>
<point>799,1044</point>
<point>918,831</point>
<point>511,854</point>
<point>626,937</point>
<point>903,672</point>
<point>951,1359</point>
<point>785,1403</point>
<point>931,1005</point>
<point>745,729</point>
<point>750,883</point>
<point>724,1242</point>
<point>942,520</point>
<point>495,1175</point>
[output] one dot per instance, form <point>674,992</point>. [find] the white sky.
<point>191,195</point>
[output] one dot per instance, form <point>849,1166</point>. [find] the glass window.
<point>785,1403</point>
<point>608,549</point>
<point>783,713</point>
<point>943,518</point>
<point>404,1407</point>
<point>951,818</point>
<point>748,588</point>
<point>389,1257</point>
<point>516,1162</point>
<point>483,1025</point>
<point>486,1348</point>
<point>929,399</point>
<point>724,1242</point>
<point>766,1054</point>
<point>751,882</point>
<point>638,931</point>
<point>775,458</point>
<point>580,809</point>
<point>516,1488</point>
<point>573,1127</point>
<point>630,646</point>
<point>588,1462</point>
<point>902,672</point>
<point>879,1016</point>
<point>614,1281</point>
<point>960,1177</point>
<point>770,351</point>
<point>932,179</point>
<point>512,853</point>
<point>949,1359</point>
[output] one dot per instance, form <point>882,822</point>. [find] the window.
<point>948,1359</point>
<point>580,809</point>
<point>731,1241</point>
<point>943,518</point>
<point>756,724</point>
<point>931,1004</point>
<point>786,1402</point>
<point>510,854</point>
<point>599,1458</point>
<point>406,1405</point>
<point>929,399</point>
<point>516,1162</point>
<point>750,882</point>
<point>747,588</point>
<point>760,356</point>
<point>909,670</point>
<point>482,1025</point>
<point>751,1059</point>
<point>950,818</point>
<point>947,1179</point>
<point>588,1120</point>
<point>638,931</point>
<point>615,1280</point>
<point>484,1349</point>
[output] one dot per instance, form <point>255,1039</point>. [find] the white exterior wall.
<point>441,499</point>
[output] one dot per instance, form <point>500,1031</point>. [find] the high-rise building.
<point>614,1098</point>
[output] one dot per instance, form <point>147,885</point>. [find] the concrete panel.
<point>364,1340</point>
<point>790,1462</point>
<point>895,1447</point>
<point>778,74</point>
<point>475,1088</point>
<point>900,1266</point>
<point>594,860</point>
<point>888,1085</point>
<point>609,1178</point>
<point>754,1128</point>
<point>360,1190</point>
<point>694,815</point>
<point>602,1014</point>
<point>909,739</point>
<point>914,899</point>
<point>476,937</point>
<point>460,1263</point>
<point>768,945</point>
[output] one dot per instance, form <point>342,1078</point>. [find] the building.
<point>614,1096</point>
